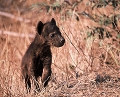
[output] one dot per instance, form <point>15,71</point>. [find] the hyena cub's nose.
<point>62,40</point>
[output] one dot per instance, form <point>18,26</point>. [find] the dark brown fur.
<point>38,57</point>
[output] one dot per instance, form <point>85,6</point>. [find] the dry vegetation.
<point>88,65</point>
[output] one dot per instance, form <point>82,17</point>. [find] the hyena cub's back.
<point>38,57</point>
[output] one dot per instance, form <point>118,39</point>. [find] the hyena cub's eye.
<point>52,35</point>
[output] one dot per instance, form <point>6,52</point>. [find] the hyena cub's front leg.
<point>46,74</point>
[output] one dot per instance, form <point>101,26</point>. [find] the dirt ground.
<point>83,67</point>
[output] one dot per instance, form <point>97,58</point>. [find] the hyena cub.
<point>38,57</point>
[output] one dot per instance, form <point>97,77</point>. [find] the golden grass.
<point>74,66</point>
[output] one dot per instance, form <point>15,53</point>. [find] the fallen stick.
<point>14,17</point>
<point>16,34</point>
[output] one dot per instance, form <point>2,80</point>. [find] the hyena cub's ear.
<point>53,21</point>
<point>40,27</point>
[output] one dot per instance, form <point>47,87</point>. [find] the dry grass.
<point>75,66</point>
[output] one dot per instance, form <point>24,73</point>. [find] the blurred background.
<point>88,65</point>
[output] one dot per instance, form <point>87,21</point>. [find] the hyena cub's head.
<point>51,33</point>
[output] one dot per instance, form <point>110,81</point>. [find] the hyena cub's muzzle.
<point>60,42</point>
<point>57,40</point>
